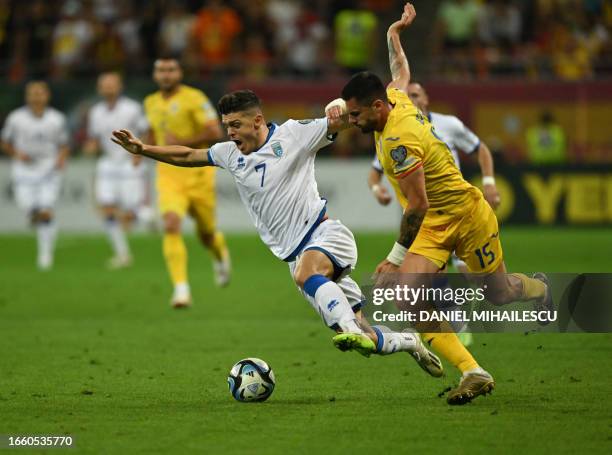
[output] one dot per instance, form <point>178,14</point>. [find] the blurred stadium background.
<point>532,78</point>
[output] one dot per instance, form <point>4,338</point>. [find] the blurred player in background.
<point>182,115</point>
<point>442,212</point>
<point>36,137</point>
<point>120,180</point>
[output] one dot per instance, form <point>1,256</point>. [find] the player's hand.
<point>386,274</point>
<point>381,194</point>
<point>386,267</point>
<point>491,195</point>
<point>23,157</point>
<point>128,141</point>
<point>407,18</point>
<point>336,115</point>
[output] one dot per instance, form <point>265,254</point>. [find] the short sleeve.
<point>464,138</point>
<point>8,131</point>
<point>376,164</point>
<point>203,111</point>
<point>220,154</point>
<point>405,158</point>
<point>311,133</point>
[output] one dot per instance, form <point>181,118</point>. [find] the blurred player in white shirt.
<point>120,180</point>
<point>36,137</point>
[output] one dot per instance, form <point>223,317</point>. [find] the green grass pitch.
<point>101,356</point>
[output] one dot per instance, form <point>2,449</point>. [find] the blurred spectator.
<point>107,52</point>
<point>356,38</point>
<point>256,58</point>
<point>256,22</point>
<point>546,142</point>
<point>127,26</point>
<point>456,29</point>
<point>174,30</point>
<point>572,61</point>
<point>214,36</point>
<point>33,41</point>
<point>6,33</point>
<point>71,38</point>
<point>148,30</point>
<point>499,32</point>
<point>284,14</point>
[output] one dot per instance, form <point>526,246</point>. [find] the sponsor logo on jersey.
<point>241,162</point>
<point>395,138</point>
<point>277,149</point>
<point>306,121</point>
<point>331,305</point>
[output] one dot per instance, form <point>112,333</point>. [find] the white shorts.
<point>122,186</point>
<point>336,241</point>
<point>38,195</point>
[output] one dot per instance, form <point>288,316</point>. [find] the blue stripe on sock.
<point>313,283</point>
<point>379,338</point>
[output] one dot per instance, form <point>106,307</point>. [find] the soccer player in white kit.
<point>273,168</point>
<point>36,137</point>
<point>120,180</point>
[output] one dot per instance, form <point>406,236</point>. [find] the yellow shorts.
<point>192,193</point>
<point>474,238</point>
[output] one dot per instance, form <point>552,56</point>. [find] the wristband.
<point>397,253</point>
<point>488,180</point>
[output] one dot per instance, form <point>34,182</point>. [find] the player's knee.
<point>44,216</point>
<point>172,223</point>
<point>207,237</point>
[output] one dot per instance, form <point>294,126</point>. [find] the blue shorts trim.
<point>338,269</point>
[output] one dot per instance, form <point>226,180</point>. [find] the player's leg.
<point>43,198</point>
<point>203,211</point>
<point>480,247</point>
<point>108,188</point>
<point>173,203</point>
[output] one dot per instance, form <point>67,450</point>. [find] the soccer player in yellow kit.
<point>182,115</point>
<point>442,212</point>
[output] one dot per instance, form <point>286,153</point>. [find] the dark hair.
<point>238,101</point>
<point>365,87</point>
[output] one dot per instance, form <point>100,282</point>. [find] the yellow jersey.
<point>409,141</point>
<point>183,115</point>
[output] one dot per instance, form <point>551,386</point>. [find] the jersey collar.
<point>271,129</point>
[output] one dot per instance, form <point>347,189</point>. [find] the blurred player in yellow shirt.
<point>442,212</point>
<point>182,115</point>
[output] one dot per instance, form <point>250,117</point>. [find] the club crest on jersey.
<point>241,162</point>
<point>277,149</point>
<point>399,154</point>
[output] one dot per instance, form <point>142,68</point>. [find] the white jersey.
<point>103,120</point>
<point>453,132</point>
<point>40,137</point>
<point>277,183</point>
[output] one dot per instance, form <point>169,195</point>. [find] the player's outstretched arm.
<point>398,63</point>
<point>176,155</point>
<point>489,189</point>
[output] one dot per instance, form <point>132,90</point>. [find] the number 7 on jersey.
<point>261,166</point>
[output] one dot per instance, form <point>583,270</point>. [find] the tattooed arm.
<point>413,187</point>
<point>398,63</point>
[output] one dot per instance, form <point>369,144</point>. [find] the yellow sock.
<point>218,247</point>
<point>175,254</point>
<point>449,346</point>
<point>532,288</point>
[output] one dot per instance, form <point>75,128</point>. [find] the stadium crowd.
<point>563,39</point>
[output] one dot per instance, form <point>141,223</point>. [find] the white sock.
<point>335,308</point>
<point>477,370</point>
<point>390,342</point>
<point>117,238</point>
<point>182,289</point>
<point>45,234</point>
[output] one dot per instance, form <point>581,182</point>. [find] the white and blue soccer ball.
<point>251,379</point>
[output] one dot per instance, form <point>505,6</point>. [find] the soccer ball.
<point>251,380</point>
